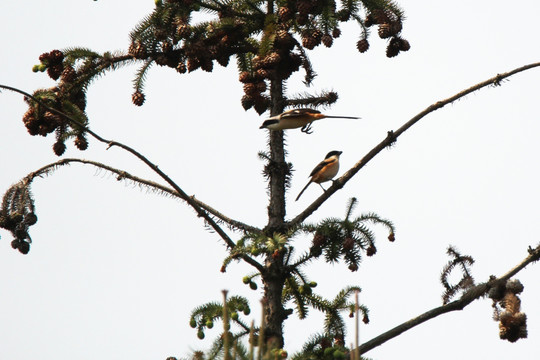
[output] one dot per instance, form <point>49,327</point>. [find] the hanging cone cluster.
<point>507,310</point>
<point>17,214</point>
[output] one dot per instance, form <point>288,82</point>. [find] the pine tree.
<point>270,40</point>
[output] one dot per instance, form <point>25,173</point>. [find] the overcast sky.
<point>114,271</point>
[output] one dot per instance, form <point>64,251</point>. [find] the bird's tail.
<point>342,117</point>
<point>301,192</point>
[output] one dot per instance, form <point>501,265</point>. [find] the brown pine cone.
<point>59,148</point>
<point>138,98</point>
<point>327,40</point>
<point>362,45</point>
<point>385,31</point>
<point>80,142</point>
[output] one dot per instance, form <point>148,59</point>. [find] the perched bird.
<point>325,171</point>
<point>296,118</point>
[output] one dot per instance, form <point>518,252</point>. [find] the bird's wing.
<point>298,112</point>
<point>321,165</point>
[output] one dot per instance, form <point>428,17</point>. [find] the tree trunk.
<point>274,275</point>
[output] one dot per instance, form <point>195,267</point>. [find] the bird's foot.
<point>306,129</point>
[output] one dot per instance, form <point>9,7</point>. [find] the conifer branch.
<point>474,293</point>
<point>154,186</point>
<point>393,135</point>
<point>198,209</point>
<point>326,98</point>
<point>121,174</point>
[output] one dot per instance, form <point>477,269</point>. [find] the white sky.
<point>114,272</point>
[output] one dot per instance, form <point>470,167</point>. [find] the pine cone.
<point>247,102</point>
<point>261,86</point>
<point>207,65</point>
<point>309,42</point>
<point>138,98</point>
<point>59,148</point>
<point>24,247</point>
<point>30,219</point>
<point>404,45</point>
<point>261,104</point>
<point>256,62</point>
<point>81,143</point>
<point>55,71</point>
<point>392,49</point>
<point>327,40</point>
<point>362,45</point>
<point>250,89</point>
<point>44,57</point>
<point>396,27</point>
<point>193,64</point>
<point>336,33</point>
<point>137,50</point>
<point>317,34</point>
<point>51,119</point>
<point>262,74</point>
<point>223,60</point>
<point>166,46</point>
<point>385,31</point>
<point>245,77</point>
<point>68,74</point>
<point>271,60</point>
<point>372,250</point>
<point>284,14</point>
<point>181,67</point>
<point>31,122</point>
<point>15,243</point>
<point>56,57</point>
<point>183,31</point>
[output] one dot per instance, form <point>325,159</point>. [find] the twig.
<point>392,137</point>
<point>468,297</point>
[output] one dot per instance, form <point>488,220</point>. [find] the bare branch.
<point>392,137</point>
<point>468,297</point>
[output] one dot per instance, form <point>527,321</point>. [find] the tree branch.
<point>198,209</point>
<point>468,297</point>
<point>392,137</point>
<point>155,186</point>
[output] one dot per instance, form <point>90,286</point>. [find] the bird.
<point>324,171</point>
<point>297,118</point>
